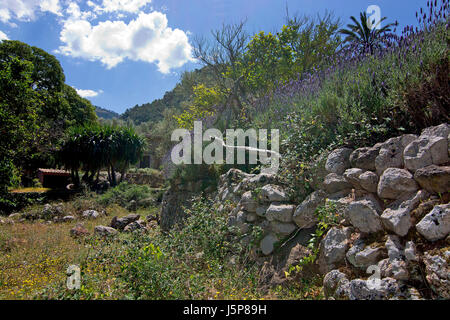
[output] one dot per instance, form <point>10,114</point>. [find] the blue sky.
<point>119,53</point>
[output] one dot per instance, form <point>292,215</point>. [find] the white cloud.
<point>74,12</point>
<point>87,93</point>
<point>132,6</point>
<point>111,39</point>
<point>25,10</point>
<point>3,36</point>
<point>51,6</point>
<point>147,38</point>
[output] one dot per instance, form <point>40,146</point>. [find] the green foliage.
<point>204,100</point>
<point>361,104</point>
<point>18,118</point>
<point>364,34</point>
<point>35,108</point>
<point>93,147</point>
<point>124,193</point>
<point>81,110</point>
<point>271,59</point>
<point>182,263</point>
<point>191,262</point>
<point>175,100</point>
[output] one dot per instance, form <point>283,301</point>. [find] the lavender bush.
<point>359,98</point>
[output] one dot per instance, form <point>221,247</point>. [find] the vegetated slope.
<point>105,113</point>
<point>175,98</point>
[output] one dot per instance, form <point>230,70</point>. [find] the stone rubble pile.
<point>392,241</point>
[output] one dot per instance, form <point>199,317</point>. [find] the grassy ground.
<point>195,262</point>
<point>36,254</point>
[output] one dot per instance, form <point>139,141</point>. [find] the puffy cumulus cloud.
<point>25,10</point>
<point>3,36</point>
<point>147,38</point>
<point>132,6</point>
<point>87,93</point>
<point>73,12</point>
<point>51,6</point>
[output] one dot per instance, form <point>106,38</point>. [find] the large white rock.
<point>364,158</point>
<point>394,268</point>
<point>395,183</point>
<point>397,217</point>
<point>357,246</point>
<point>271,193</point>
<point>436,224</point>
<point>338,160</point>
<point>332,281</point>
<point>334,183</point>
<point>442,130</point>
<point>352,176</point>
<point>280,212</point>
<point>333,248</point>
<point>376,289</point>
<point>364,215</point>
<point>425,151</point>
<point>391,153</point>
<point>369,181</point>
<point>362,256</point>
<point>304,215</point>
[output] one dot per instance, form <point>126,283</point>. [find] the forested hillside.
<point>105,114</point>
<point>176,99</point>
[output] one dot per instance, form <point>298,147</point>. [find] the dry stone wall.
<point>393,205</point>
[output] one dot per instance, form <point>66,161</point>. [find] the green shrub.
<point>124,193</point>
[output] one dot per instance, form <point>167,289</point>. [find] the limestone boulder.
<point>364,215</point>
<point>364,158</point>
<point>435,179</point>
<point>369,181</point>
<point>304,215</point>
<point>438,272</point>
<point>395,182</point>
<point>280,212</point>
<point>391,153</point>
<point>282,228</point>
<point>271,193</point>
<point>436,224</point>
<point>249,202</point>
<point>267,244</point>
<point>333,248</point>
<point>334,183</point>
<point>397,217</point>
<point>338,160</point>
<point>425,151</point>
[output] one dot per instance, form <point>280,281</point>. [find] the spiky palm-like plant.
<point>364,34</point>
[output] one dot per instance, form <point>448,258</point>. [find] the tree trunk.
<point>113,174</point>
